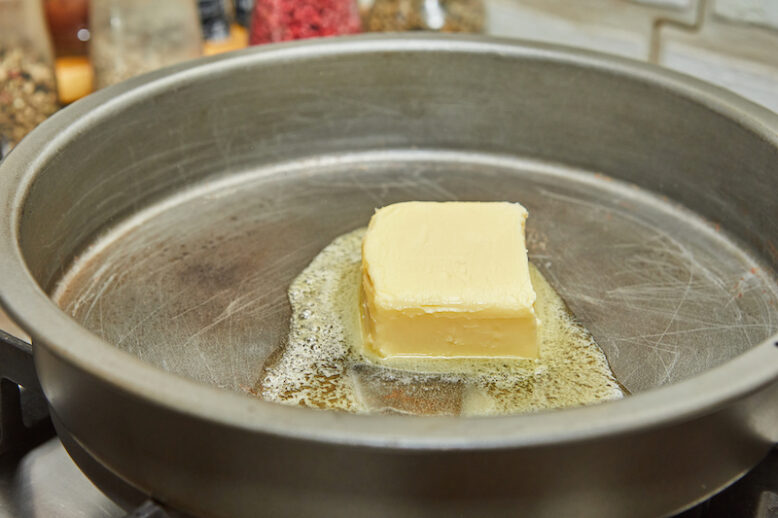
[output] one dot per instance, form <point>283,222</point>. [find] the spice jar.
<point>130,37</point>
<point>283,20</point>
<point>28,90</point>
<point>68,25</point>
<point>426,15</point>
<point>243,10</point>
<point>68,22</point>
<point>219,33</point>
<point>213,19</point>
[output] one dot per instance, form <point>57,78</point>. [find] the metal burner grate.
<point>24,419</point>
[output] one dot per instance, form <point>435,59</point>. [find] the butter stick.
<point>447,280</point>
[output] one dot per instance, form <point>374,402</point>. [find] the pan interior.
<point>197,284</point>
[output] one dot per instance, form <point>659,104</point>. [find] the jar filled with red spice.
<point>284,20</point>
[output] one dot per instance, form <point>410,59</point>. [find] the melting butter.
<point>320,365</point>
<point>430,291</point>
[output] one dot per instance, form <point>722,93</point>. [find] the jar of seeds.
<point>28,90</point>
<point>426,15</point>
<point>130,37</point>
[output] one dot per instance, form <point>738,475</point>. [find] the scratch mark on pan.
<point>98,296</point>
<point>674,315</point>
<point>156,310</point>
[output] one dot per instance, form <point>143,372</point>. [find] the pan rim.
<point>50,328</point>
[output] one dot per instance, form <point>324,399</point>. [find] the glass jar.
<point>426,15</point>
<point>219,33</point>
<point>243,10</point>
<point>284,20</point>
<point>68,22</point>
<point>69,27</point>
<point>213,19</point>
<point>28,89</point>
<point>130,37</point>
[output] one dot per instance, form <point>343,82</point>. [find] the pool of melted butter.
<point>322,364</point>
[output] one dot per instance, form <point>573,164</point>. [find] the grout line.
<point>655,42</point>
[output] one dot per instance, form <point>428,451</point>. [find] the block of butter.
<point>447,280</point>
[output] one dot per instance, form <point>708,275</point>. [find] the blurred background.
<point>52,52</point>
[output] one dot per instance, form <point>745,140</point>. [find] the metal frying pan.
<point>173,211</point>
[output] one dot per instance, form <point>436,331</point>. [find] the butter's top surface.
<point>450,257</point>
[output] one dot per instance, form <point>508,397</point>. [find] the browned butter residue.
<point>321,365</point>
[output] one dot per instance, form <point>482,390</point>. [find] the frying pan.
<point>167,216</point>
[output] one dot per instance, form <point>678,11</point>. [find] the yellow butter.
<point>448,280</point>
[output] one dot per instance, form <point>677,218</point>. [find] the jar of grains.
<point>28,90</point>
<point>283,20</point>
<point>130,37</point>
<point>426,15</point>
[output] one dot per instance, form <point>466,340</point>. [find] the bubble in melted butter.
<point>321,364</point>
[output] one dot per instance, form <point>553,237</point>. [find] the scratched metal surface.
<point>198,285</point>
